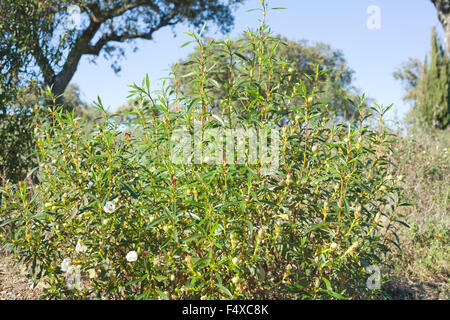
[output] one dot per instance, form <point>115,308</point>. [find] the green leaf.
<point>223,289</point>
<point>160,278</point>
<point>135,281</point>
<point>334,294</point>
<point>156,221</point>
<point>185,44</point>
<point>190,238</point>
<point>8,221</point>
<point>133,193</point>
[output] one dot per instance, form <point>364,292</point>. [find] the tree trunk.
<point>443,8</point>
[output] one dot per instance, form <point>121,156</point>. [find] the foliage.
<point>301,60</point>
<point>428,87</point>
<point>19,122</point>
<point>44,36</point>
<point>116,212</point>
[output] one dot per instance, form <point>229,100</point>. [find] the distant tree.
<point>301,58</point>
<point>50,47</point>
<point>411,74</point>
<point>428,87</point>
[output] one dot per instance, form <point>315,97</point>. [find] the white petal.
<point>131,256</point>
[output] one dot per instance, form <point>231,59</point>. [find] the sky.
<point>374,48</point>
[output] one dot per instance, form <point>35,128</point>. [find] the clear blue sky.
<point>373,54</point>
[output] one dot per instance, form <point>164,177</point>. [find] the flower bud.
<point>289,179</point>
<point>326,206</point>
<point>259,236</point>
<point>358,211</point>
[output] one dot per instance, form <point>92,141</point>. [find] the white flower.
<point>65,264</point>
<point>80,248</point>
<point>109,207</point>
<point>334,246</point>
<point>235,280</point>
<point>235,260</point>
<point>131,256</point>
<point>92,273</point>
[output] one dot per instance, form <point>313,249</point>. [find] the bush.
<point>115,216</point>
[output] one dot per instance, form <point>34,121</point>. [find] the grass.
<point>421,267</point>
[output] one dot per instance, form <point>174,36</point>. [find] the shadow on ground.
<point>412,289</point>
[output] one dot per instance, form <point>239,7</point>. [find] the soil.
<point>414,289</point>
<point>13,282</point>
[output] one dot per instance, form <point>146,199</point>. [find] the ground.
<point>13,283</point>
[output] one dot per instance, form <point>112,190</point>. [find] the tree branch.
<point>443,8</point>
<point>112,36</point>
<point>63,78</point>
<point>98,16</point>
<point>42,61</point>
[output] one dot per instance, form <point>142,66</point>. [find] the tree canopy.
<point>36,38</point>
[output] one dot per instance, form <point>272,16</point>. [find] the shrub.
<point>116,217</point>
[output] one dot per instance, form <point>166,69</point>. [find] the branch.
<point>98,16</point>
<point>113,36</point>
<point>42,61</point>
<point>63,78</point>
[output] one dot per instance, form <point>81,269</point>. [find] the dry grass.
<point>421,267</point>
